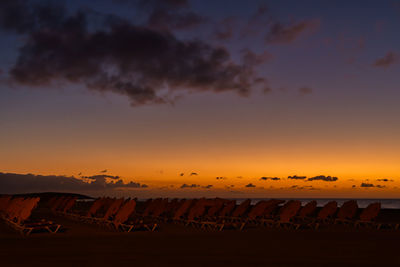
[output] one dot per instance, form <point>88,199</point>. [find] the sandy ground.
<point>174,245</point>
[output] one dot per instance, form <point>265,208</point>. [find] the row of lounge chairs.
<point>17,211</point>
<point>221,213</point>
<point>128,215</point>
<point>116,214</point>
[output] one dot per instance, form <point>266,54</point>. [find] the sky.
<point>181,98</point>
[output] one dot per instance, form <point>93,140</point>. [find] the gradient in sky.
<point>204,98</point>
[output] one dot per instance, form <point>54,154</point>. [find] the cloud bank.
<point>11,183</point>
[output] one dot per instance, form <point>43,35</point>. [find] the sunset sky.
<point>203,98</point>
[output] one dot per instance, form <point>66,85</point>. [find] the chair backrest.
<point>57,203</point>
<point>95,207</point>
<point>4,202</point>
<point>149,206</point>
<point>161,207</point>
<point>183,208</point>
<point>114,207</point>
<point>271,207</point>
<point>328,210</point>
<point>172,206</point>
<point>14,208</point>
<point>348,210</point>
<point>258,209</point>
<point>61,205</point>
<point>242,208</point>
<point>125,212</point>
<point>216,206</point>
<point>370,212</point>
<point>198,208</point>
<point>289,210</point>
<point>308,209</point>
<point>69,204</point>
<point>228,208</point>
<point>28,206</point>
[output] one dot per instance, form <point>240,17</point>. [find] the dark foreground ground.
<point>173,245</point>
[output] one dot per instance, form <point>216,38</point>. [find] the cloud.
<point>307,187</point>
<point>295,177</point>
<point>189,186</point>
<point>323,178</point>
<point>385,180</point>
<point>270,178</point>
<point>147,65</point>
<point>389,59</point>
<point>305,91</point>
<point>22,183</point>
<point>165,20</point>
<point>21,17</point>
<point>101,176</point>
<point>194,174</point>
<point>250,185</point>
<point>250,59</point>
<point>368,185</point>
<point>225,28</point>
<point>285,34</point>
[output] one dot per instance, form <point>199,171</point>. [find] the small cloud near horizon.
<point>323,178</point>
<point>189,186</point>
<point>264,178</point>
<point>386,61</point>
<point>295,177</point>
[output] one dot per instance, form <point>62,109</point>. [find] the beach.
<point>177,245</point>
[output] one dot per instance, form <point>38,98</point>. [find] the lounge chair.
<point>17,212</point>
<point>368,216</point>
<point>347,212</point>
<point>325,215</point>
<point>287,213</point>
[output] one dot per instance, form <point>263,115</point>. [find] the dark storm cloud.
<point>282,34</point>
<point>225,28</point>
<point>147,65</point>
<point>295,177</point>
<point>189,186</point>
<point>166,20</point>
<point>323,178</point>
<point>167,14</point>
<point>389,59</point>
<point>21,16</point>
<point>250,185</point>
<point>270,178</point>
<point>161,3</point>
<point>23,183</point>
